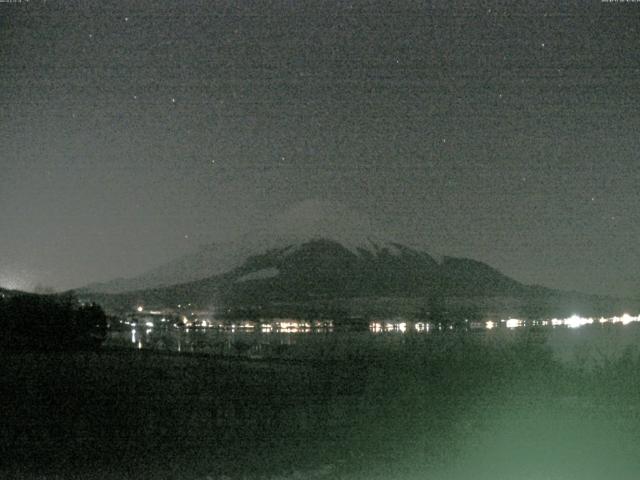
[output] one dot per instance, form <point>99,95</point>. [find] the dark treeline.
<point>50,322</point>
<point>434,309</point>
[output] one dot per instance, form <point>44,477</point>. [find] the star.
<point>126,19</point>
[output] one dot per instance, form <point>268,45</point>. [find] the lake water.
<point>530,427</point>
<point>252,342</point>
<point>580,342</point>
<point>472,416</point>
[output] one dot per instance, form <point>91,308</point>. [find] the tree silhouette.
<point>50,322</point>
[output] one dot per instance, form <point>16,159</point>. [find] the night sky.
<point>134,132</point>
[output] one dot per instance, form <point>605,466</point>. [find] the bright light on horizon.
<point>574,321</point>
<point>513,323</point>
<point>16,282</point>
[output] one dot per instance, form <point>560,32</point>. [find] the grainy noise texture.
<point>135,131</point>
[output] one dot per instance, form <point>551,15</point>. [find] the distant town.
<point>184,317</point>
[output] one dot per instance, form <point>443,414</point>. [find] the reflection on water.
<point>244,338</point>
<point>274,338</point>
<point>573,321</point>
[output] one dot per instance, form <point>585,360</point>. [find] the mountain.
<point>323,274</point>
<point>311,219</point>
<point>325,269</point>
<point>7,293</point>
<point>320,257</point>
